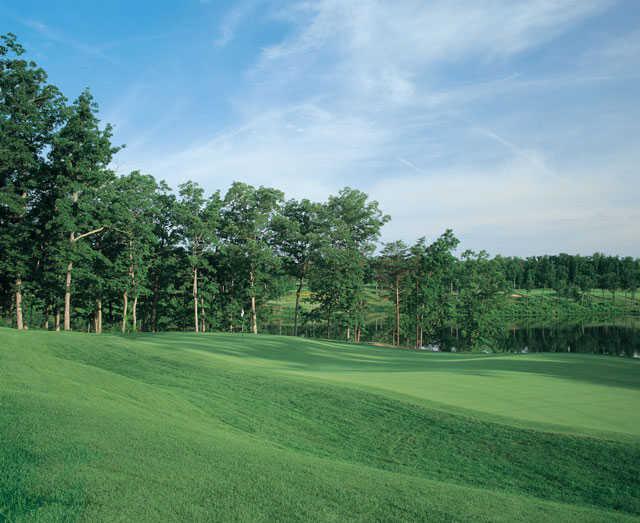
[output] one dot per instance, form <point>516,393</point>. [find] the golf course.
<point>220,427</point>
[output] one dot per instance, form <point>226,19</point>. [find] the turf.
<point>230,427</point>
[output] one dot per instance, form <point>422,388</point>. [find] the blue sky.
<point>517,124</point>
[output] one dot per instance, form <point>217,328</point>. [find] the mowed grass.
<point>228,427</point>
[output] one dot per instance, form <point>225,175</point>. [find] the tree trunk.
<point>154,304</point>
<point>125,304</point>
<point>254,316</point>
<point>297,308</point>
<point>195,299</point>
<point>67,291</point>
<point>348,332</point>
<point>418,342</point>
<point>254,319</point>
<point>57,320</point>
<point>19,322</point>
<point>329,324</point>
<point>134,317</point>
<point>98,316</point>
<point>397,340</point>
<point>67,297</point>
<point>203,322</point>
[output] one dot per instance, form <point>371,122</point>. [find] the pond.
<point>621,338</point>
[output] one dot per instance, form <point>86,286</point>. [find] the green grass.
<point>230,427</point>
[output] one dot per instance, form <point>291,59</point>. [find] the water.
<point>620,339</point>
<point>614,340</point>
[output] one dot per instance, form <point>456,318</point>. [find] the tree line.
<point>572,274</point>
<point>84,248</point>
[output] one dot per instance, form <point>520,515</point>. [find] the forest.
<point>83,248</point>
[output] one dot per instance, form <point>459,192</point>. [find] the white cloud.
<point>390,97</point>
<point>232,21</point>
<point>513,208</point>
<point>303,149</point>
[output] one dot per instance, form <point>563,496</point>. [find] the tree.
<point>481,287</point>
<point>134,213</point>
<point>164,261</point>
<point>197,219</point>
<point>30,109</point>
<point>392,267</point>
<point>337,281</point>
<point>80,155</point>
<point>298,230</point>
<point>247,215</point>
<point>430,285</point>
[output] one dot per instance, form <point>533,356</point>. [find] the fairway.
<point>576,392</point>
<point>266,428</point>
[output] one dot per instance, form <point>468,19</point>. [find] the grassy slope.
<point>230,427</point>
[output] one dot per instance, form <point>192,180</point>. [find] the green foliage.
<point>481,289</point>
<point>75,236</point>
<point>30,110</point>
<point>339,263</point>
<point>247,214</point>
<point>430,287</point>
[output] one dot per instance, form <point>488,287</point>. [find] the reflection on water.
<point>616,340</point>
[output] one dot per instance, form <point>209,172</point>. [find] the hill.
<point>232,427</point>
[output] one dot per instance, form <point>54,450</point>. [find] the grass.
<point>232,427</point>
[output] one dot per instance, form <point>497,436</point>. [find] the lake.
<point>621,338</point>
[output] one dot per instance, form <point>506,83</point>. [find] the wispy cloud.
<point>233,19</point>
<point>60,37</point>
<point>518,151</point>
<point>435,109</point>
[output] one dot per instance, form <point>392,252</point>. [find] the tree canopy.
<point>85,248</point>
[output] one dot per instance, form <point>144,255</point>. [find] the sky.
<point>516,124</point>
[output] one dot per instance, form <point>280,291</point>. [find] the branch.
<point>89,233</point>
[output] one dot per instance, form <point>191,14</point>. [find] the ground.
<point>268,428</point>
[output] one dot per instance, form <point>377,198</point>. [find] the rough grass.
<point>221,427</point>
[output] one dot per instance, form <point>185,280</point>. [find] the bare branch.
<point>89,233</point>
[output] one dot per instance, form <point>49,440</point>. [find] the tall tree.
<point>134,215</point>
<point>197,218</point>
<point>481,289</point>
<point>430,285</point>
<point>164,259</point>
<point>392,267</point>
<point>353,226</point>
<point>30,109</point>
<point>246,227</point>
<point>80,154</point>
<point>298,230</point>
